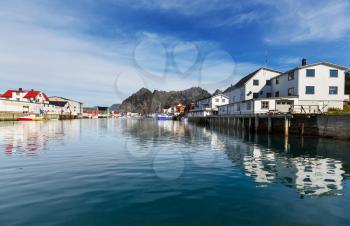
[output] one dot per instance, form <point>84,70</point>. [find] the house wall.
<point>284,84</point>
<point>218,100</point>
<point>20,106</point>
<point>75,107</point>
<point>262,76</point>
<point>321,81</point>
<point>235,95</point>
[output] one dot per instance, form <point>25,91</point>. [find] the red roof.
<point>8,93</point>
<point>45,97</point>
<point>30,94</point>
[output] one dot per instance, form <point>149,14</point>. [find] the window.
<point>268,82</point>
<point>249,105</point>
<point>268,95</point>
<point>333,73</point>
<point>291,92</point>
<point>277,81</point>
<point>333,90</point>
<point>255,95</point>
<point>291,76</point>
<point>255,82</point>
<point>310,72</point>
<point>310,90</point>
<point>217,100</point>
<point>277,94</point>
<point>223,100</point>
<point>264,105</point>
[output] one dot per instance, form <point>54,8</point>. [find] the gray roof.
<point>58,103</point>
<point>246,78</point>
<point>314,64</point>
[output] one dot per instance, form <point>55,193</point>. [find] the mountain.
<point>145,102</point>
<point>217,92</point>
<point>114,107</point>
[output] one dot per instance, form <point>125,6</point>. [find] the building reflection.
<point>27,138</point>
<point>313,167</point>
<point>306,165</point>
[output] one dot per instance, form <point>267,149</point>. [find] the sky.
<point>100,52</point>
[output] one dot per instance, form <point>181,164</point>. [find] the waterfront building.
<point>90,112</point>
<point>307,89</point>
<point>209,106</point>
<point>103,112</point>
<point>32,96</point>
<point>68,106</point>
<point>24,101</point>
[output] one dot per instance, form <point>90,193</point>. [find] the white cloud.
<point>300,21</point>
<point>284,21</point>
<point>41,51</point>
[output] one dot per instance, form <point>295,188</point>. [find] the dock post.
<point>238,123</point>
<point>243,124</point>
<point>286,126</point>
<point>256,124</point>
<point>269,124</point>
<point>249,124</point>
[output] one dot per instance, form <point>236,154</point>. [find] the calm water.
<point>144,172</point>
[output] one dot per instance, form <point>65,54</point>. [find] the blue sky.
<point>99,52</point>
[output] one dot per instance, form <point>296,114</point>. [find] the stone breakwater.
<point>12,116</point>
<point>332,126</point>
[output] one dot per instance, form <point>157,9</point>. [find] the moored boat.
<point>31,118</point>
<point>164,117</point>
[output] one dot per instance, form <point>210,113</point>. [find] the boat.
<point>164,117</point>
<point>31,118</point>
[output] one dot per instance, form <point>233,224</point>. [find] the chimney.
<point>20,89</point>
<point>303,62</point>
<point>32,90</point>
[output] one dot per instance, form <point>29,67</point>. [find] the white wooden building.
<point>309,88</point>
<point>24,101</point>
<point>209,106</point>
<point>71,107</point>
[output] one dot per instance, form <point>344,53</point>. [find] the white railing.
<point>305,109</point>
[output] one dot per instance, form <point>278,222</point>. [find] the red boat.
<point>31,118</point>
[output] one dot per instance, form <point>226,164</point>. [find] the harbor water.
<point>148,172</point>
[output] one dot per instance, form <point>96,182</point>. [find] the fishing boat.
<point>164,117</point>
<point>31,118</point>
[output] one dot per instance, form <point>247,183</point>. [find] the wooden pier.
<point>321,125</point>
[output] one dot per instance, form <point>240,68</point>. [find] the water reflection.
<point>27,138</point>
<point>313,167</point>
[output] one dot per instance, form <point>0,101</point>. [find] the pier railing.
<point>305,109</point>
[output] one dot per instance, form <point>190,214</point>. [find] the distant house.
<point>103,112</point>
<point>90,112</point>
<point>71,107</point>
<point>32,96</point>
<point>58,107</point>
<point>96,112</point>
<point>208,106</point>
<point>26,101</point>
